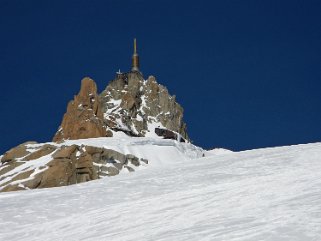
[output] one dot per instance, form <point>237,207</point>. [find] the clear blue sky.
<point>248,73</point>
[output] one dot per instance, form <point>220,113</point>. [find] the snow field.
<point>264,194</point>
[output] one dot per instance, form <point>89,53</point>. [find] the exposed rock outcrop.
<point>136,106</point>
<point>30,166</point>
<point>168,134</point>
<point>16,152</point>
<point>84,118</point>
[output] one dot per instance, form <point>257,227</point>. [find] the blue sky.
<point>246,72</point>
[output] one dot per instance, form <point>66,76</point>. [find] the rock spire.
<point>84,117</point>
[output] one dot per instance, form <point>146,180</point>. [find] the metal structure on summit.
<point>135,58</point>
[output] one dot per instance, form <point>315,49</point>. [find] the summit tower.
<point>135,58</point>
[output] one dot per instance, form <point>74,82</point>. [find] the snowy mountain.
<point>121,167</point>
<point>264,194</point>
<point>130,106</point>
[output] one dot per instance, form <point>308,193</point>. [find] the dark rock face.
<point>129,104</point>
<point>46,165</point>
<point>168,134</point>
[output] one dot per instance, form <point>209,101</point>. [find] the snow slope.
<point>264,194</point>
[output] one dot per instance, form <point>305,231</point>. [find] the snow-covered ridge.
<point>159,151</point>
<point>218,151</point>
<point>88,159</point>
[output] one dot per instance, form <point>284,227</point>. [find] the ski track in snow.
<point>264,194</point>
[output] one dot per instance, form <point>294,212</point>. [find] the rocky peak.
<point>129,104</point>
<point>138,106</point>
<point>84,118</point>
